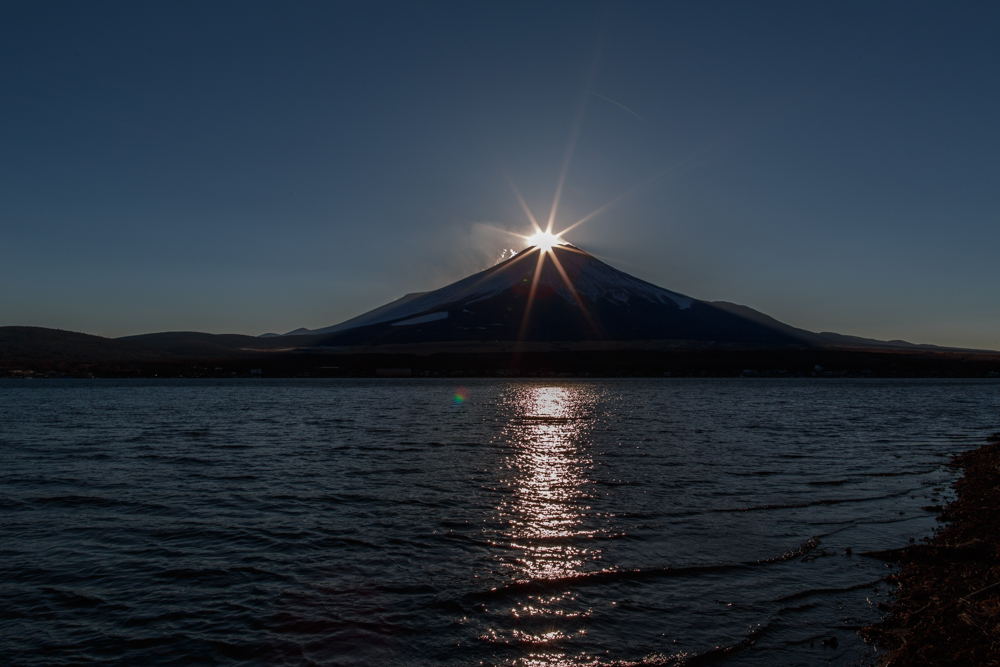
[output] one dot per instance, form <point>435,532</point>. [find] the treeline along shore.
<point>39,352</point>
<point>947,608</point>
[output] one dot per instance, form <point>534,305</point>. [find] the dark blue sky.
<point>260,167</point>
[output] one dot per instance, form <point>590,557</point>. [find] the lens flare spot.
<point>461,394</point>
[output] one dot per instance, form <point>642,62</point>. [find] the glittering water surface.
<point>395,522</point>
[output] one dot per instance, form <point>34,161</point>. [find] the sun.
<point>544,240</point>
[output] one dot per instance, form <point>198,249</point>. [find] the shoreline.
<point>947,608</point>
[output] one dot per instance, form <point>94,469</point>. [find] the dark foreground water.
<point>359,522</point>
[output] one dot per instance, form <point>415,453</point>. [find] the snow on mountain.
<point>423,319</point>
<point>597,280</point>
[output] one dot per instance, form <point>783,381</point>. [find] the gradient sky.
<point>261,167</point>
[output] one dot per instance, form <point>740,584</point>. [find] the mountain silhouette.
<point>561,294</point>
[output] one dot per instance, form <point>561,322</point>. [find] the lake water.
<point>417,522</point>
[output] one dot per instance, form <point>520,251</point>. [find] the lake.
<point>459,522</point>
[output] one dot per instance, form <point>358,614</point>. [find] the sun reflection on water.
<point>544,516</point>
<point>546,510</point>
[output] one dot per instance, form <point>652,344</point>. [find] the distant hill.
<point>39,346</point>
<point>26,346</point>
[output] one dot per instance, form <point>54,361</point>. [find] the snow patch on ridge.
<point>433,317</point>
<point>481,286</point>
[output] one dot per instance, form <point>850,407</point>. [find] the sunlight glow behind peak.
<point>544,240</point>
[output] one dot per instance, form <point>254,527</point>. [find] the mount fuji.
<point>547,307</point>
<point>560,294</point>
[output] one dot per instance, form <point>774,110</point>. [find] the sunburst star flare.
<point>544,241</point>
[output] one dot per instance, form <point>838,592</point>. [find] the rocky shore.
<point>947,608</point>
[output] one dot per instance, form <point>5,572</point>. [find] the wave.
<point>608,577</point>
<point>813,503</point>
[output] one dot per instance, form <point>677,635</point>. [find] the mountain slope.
<point>825,338</point>
<point>371,317</point>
